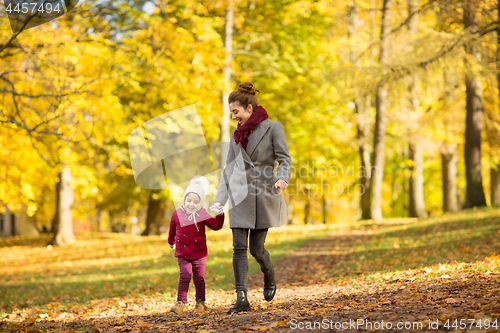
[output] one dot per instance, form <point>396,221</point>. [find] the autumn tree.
<point>416,190</point>
<point>474,122</point>
<point>362,104</point>
<point>381,117</point>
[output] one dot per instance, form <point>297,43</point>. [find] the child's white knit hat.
<point>198,185</point>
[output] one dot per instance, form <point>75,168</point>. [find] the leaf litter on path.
<point>350,275</point>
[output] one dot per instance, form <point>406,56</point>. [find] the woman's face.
<point>191,202</point>
<point>239,113</point>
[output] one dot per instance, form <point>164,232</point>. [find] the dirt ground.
<point>306,300</point>
<point>416,305</point>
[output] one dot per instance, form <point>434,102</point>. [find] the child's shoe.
<point>178,307</point>
<point>200,306</point>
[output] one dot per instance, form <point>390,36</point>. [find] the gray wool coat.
<point>249,177</point>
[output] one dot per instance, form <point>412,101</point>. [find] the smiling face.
<point>191,202</point>
<point>239,113</point>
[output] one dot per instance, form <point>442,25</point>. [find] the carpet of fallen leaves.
<point>429,284</point>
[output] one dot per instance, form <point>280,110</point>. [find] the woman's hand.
<point>281,184</point>
<point>217,208</point>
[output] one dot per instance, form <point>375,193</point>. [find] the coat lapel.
<point>257,135</point>
<point>244,154</point>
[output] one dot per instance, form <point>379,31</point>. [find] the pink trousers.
<point>196,269</point>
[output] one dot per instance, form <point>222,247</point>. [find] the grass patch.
<point>113,265</point>
<point>468,240</point>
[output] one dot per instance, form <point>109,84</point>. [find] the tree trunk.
<point>394,194</point>
<point>495,185</point>
<point>373,10</point>
<point>495,169</point>
<point>416,195</point>
<point>417,203</point>
<point>362,118</point>
<point>55,219</point>
<point>98,219</point>
<point>26,224</point>
<point>155,207</point>
<point>474,119</point>
<point>110,222</point>
<point>9,227</point>
<point>380,120</point>
<point>307,207</point>
<point>363,127</point>
<point>449,159</point>
<point>13,225</point>
<point>325,212</point>
<point>225,135</point>
<point>404,183</point>
<point>289,207</point>
<point>64,215</point>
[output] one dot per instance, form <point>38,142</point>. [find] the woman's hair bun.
<point>248,88</point>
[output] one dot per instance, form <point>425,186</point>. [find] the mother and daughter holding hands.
<point>253,187</point>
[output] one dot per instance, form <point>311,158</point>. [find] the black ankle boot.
<point>241,303</point>
<point>269,286</point>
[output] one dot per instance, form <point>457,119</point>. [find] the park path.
<point>307,294</point>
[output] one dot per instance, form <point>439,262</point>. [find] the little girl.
<point>187,236</point>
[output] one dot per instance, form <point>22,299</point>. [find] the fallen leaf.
<point>451,300</point>
<point>480,315</point>
<point>143,324</point>
<point>264,327</point>
<point>119,321</point>
<point>30,321</point>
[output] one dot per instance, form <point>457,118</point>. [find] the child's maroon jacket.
<point>191,243</point>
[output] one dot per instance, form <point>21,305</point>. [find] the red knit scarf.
<point>242,132</point>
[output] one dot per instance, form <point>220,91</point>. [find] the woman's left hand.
<point>281,184</point>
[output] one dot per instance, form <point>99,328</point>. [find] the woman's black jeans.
<point>257,250</point>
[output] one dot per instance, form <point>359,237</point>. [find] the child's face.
<point>191,202</point>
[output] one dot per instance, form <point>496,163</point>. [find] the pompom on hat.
<point>199,186</point>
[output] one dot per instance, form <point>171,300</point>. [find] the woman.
<point>253,188</point>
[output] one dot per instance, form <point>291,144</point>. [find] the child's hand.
<point>281,184</point>
<point>172,246</point>
<point>216,210</point>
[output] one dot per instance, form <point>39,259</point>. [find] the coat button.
<point>184,235</point>
<point>195,240</point>
<point>184,245</point>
